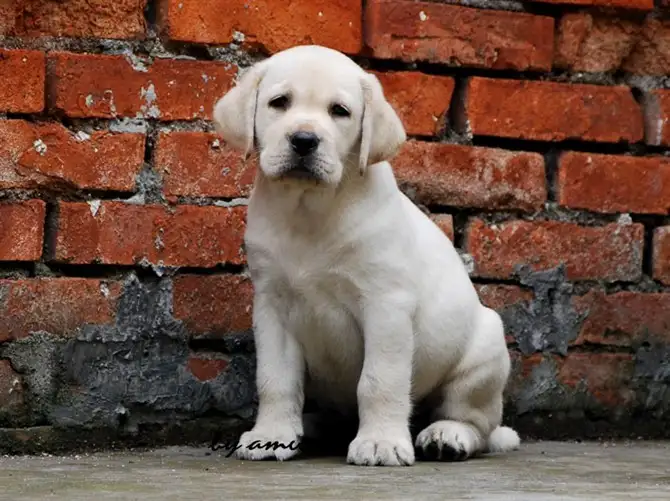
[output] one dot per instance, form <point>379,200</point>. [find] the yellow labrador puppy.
<point>360,300</point>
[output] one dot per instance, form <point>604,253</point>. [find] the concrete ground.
<point>539,471</point>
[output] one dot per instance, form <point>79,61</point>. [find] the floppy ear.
<point>234,114</point>
<point>382,131</point>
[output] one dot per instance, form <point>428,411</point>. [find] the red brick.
<point>200,164</point>
<point>49,155</point>
<point>421,101</point>
<point>623,318</point>
<point>88,85</point>
<point>270,25</point>
<point>595,43</point>
<point>22,230</point>
<point>657,118</point>
<point>460,36</point>
<point>55,305</point>
<point>661,254</point>
<point>611,253</point>
<point>464,176</point>
<point>205,369</point>
<point>119,233</point>
<point>446,223</point>
<point>605,376</point>
<point>73,18</point>
<point>624,4</point>
<point>22,73</point>
<point>213,304</point>
<point>611,183</point>
<point>549,111</point>
<point>11,390</point>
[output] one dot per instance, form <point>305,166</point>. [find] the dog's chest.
<point>317,297</point>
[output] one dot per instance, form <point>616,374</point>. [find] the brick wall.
<point>540,133</point>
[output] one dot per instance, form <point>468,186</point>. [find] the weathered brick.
<point>446,223</point>
<point>605,377</point>
<point>461,36</point>
<point>651,53</point>
<point>598,43</point>
<point>501,296</point>
<point>271,25</point>
<point>623,318</point>
<point>524,365</point>
<point>91,85</point>
<point>12,399</point>
<point>119,233</point>
<point>213,304</point>
<point>624,4</point>
<point>464,176</point>
<point>549,111</point>
<point>612,252</point>
<point>23,74</point>
<point>612,183</point>
<point>21,230</point>
<point>55,305</point>
<point>73,18</point>
<point>200,164</point>
<point>661,254</point>
<point>7,17</point>
<point>657,117</point>
<point>421,101</point>
<point>49,155</point>
<point>205,369</point>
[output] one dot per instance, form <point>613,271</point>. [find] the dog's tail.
<point>503,439</point>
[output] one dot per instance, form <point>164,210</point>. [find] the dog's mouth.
<point>301,169</point>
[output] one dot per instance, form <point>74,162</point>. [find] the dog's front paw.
<point>381,449</point>
<point>447,441</point>
<point>260,444</point>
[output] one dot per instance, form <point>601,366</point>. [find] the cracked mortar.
<point>652,370</point>
<point>549,322</point>
<point>149,109</point>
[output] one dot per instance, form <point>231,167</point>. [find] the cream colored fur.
<point>360,300</point>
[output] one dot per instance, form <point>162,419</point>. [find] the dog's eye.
<point>337,110</point>
<point>279,102</point>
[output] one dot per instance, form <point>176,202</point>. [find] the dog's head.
<point>312,114</point>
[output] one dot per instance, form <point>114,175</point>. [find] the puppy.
<point>360,300</point>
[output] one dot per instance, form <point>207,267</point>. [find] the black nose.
<point>304,143</point>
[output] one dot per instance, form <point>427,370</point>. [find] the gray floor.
<point>540,471</point>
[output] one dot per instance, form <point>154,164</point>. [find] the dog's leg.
<point>383,391</point>
<point>280,380</point>
<point>469,416</point>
